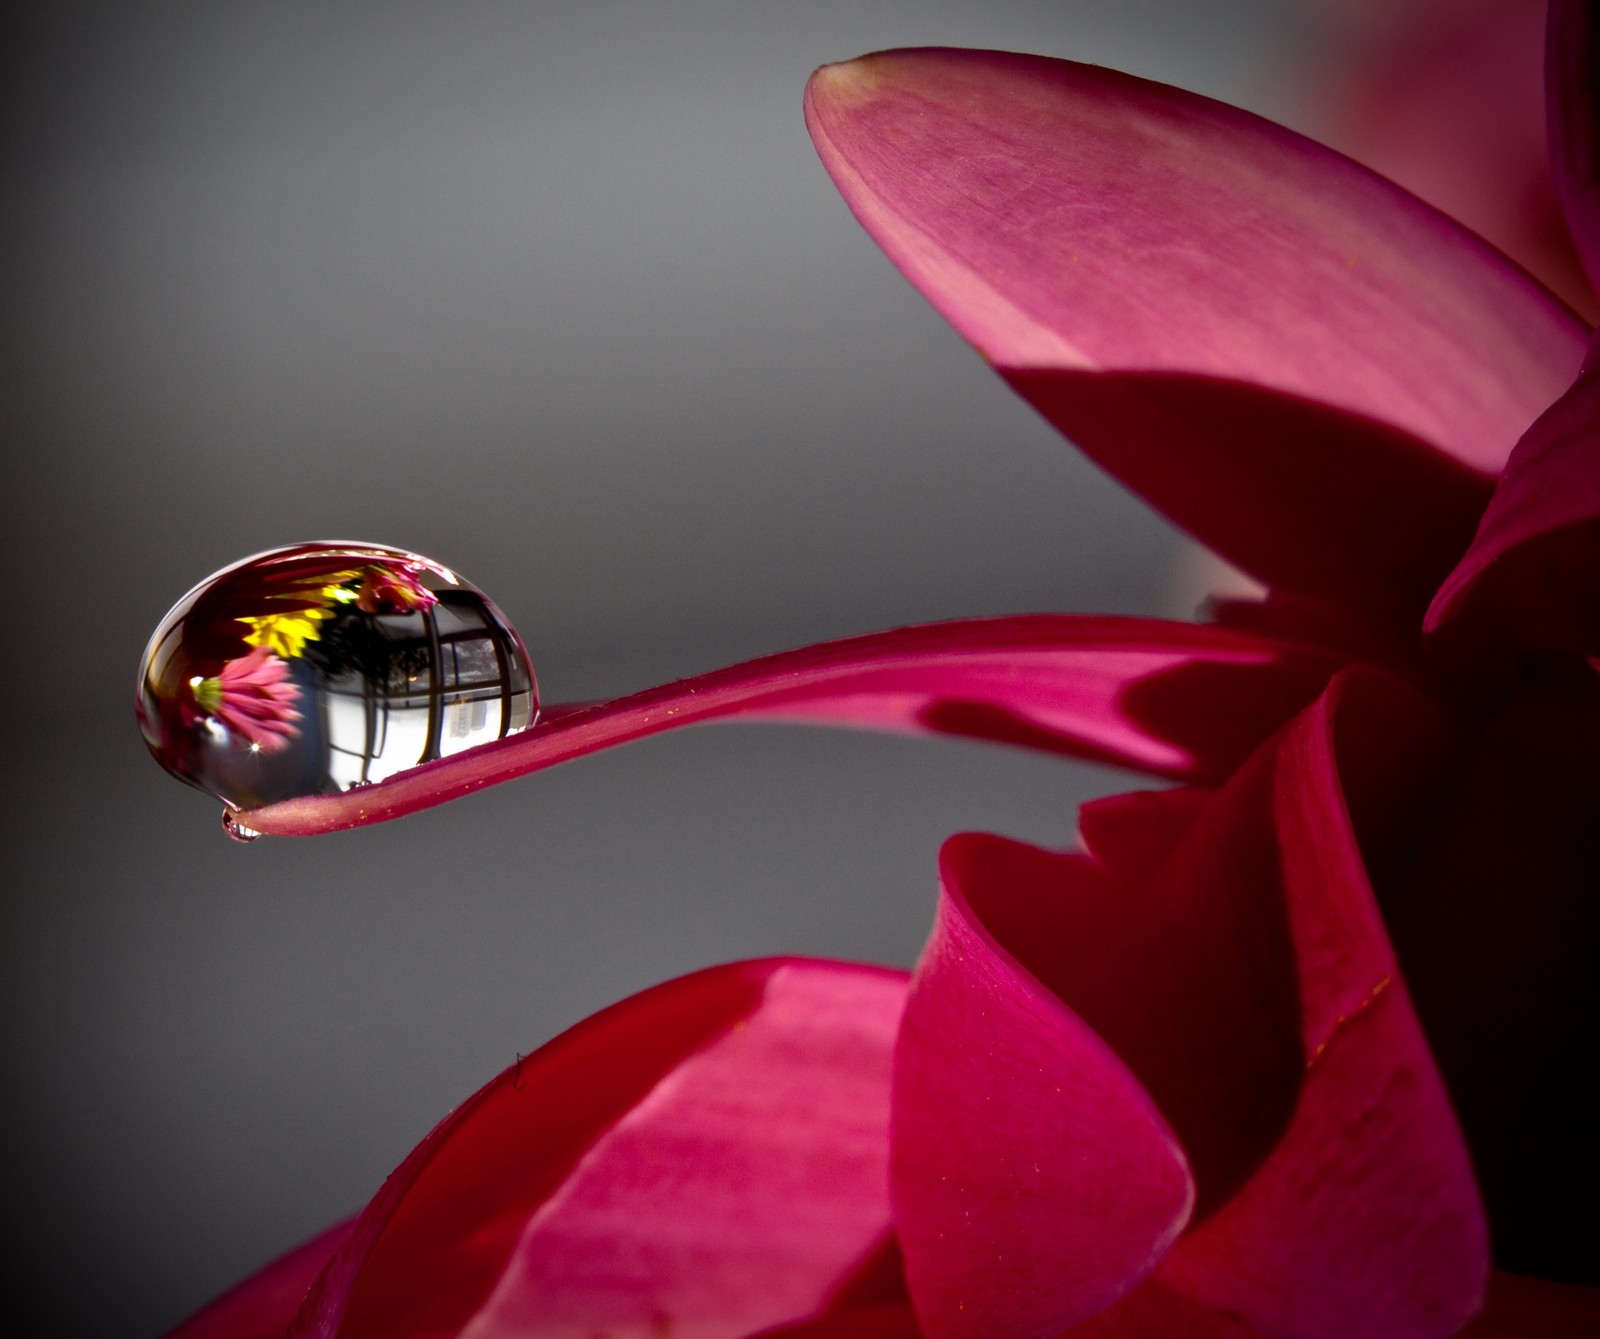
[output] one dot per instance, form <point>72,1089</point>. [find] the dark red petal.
<point>894,1320</point>
<point>1532,576</point>
<point>1034,1181</point>
<point>1180,700</point>
<point>265,1304</point>
<point>1497,922</point>
<point>709,1156</point>
<point>1155,1311</point>
<point>1363,1218</point>
<point>1524,1308</point>
<point>1347,510</point>
<point>1572,57</point>
<point>1133,834</point>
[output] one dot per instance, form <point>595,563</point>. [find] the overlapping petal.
<point>707,1158</point>
<point>1174,699</point>
<point>1531,579</point>
<point>1308,368</point>
<point>1241,972</point>
<point>1035,1182</point>
<point>1364,1217</point>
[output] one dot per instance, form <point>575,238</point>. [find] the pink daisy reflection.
<point>254,697</point>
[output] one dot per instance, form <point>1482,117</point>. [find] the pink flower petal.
<point>1175,699</point>
<point>1290,356</point>
<point>1363,1218</point>
<point>1070,217</point>
<point>1240,969</point>
<point>264,1305</point>
<point>1447,98</point>
<point>1034,1180</point>
<point>1572,52</point>
<point>708,1157</point>
<point>1532,576</point>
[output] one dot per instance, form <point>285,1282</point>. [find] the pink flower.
<point>1278,1052</point>
<point>393,590</point>
<point>254,697</point>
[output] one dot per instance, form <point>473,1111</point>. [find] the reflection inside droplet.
<point>317,668</point>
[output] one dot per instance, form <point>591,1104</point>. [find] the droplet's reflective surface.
<point>316,668</point>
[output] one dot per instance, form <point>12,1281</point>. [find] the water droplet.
<point>240,832</point>
<point>317,668</point>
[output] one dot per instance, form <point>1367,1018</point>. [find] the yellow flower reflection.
<point>285,635</point>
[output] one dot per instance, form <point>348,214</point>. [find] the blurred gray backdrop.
<point>559,295</point>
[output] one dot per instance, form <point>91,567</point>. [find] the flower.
<point>286,634</point>
<point>1183,1080</point>
<point>254,697</point>
<point>393,590</point>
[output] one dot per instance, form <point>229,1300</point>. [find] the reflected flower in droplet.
<point>254,699</point>
<point>393,590</point>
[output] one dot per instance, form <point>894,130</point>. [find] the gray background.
<point>560,296</point>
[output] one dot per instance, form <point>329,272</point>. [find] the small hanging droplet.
<point>235,829</point>
<point>317,668</point>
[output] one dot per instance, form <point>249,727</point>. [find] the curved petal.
<point>1176,699</point>
<point>1531,578</point>
<point>1364,1218</point>
<point>265,1304</point>
<point>1572,54</point>
<point>708,1157</point>
<point>1127,254</point>
<point>1034,1181</point>
<point>1067,216</point>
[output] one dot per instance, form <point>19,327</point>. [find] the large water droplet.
<point>316,668</point>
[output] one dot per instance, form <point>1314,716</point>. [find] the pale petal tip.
<point>844,82</point>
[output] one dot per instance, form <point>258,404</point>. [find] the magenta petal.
<point>709,1157</point>
<point>1572,54</point>
<point>1192,293</point>
<point>1034,1180</point>
<point>265,1304</point>
<point>1174,699</point>
<point>1364,1218</point>
<point>1069,217</point>
<point>1532,575</point>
